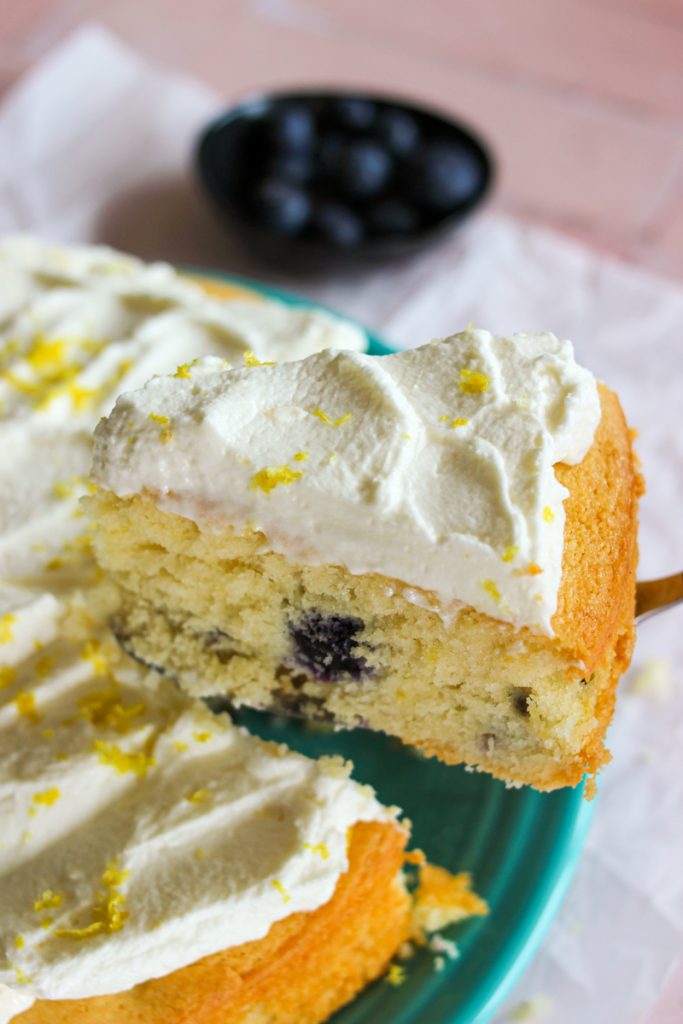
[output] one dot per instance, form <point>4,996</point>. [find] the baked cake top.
<point>433,467</point>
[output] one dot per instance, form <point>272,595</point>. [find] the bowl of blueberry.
<point>309,179</point>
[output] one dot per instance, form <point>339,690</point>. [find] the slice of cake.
<point>439,544</point>
<point>159,865</point>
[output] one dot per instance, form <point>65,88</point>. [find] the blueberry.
<point>337,223</point>
<point>364,168</point>
<point>324,646</point>
<point>398,131</point>
<point>291,127</point>
<point>442,175</point>
<point>354,113</point>
<point>282,207</point>
<point>392,217</point>
<point>294,167</point>
<point>330,149</point>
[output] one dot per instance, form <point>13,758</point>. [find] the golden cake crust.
<point>306,967</point>
<point>595,617</point>
<point>596,600</point>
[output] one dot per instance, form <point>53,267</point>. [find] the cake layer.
<point>223,614</point>
<point>432,466</point>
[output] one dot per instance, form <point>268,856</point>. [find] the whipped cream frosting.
<point>138,831</point>
<point>433,467</point>
<point>78,326</point>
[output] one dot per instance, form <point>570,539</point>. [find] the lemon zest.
<point>281,889</point>
<point>6,631</point>
<point>25,703</point>
<point>491,589</point>
<point>251,360</point>
<point>112,755</point>
<point>473,382</point>
<point>48,901</point>
<point>270,477</point>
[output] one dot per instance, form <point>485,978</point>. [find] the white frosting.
<point>221,835</point>
<point>433,467</point>
<point>114,788</point>
<point>79,325</point>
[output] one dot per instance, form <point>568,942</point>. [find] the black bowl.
<point>237,149</point>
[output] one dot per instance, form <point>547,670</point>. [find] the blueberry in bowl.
<point>313,180</point>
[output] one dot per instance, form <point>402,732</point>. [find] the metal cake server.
<point>654,596</point>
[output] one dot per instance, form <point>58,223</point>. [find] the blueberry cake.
<point>439,544</point>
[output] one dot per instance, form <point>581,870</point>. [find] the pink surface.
<point>581,99</point>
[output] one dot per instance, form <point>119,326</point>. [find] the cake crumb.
<point>396,975</point>
<point>442,898</point>
<point>446,947</point>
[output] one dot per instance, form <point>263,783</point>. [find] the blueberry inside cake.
<point>439,544</point>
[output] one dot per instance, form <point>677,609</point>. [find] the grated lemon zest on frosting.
<point>301,457</point>
<point>92,653</point>
<point>251,360</point>
<point>22,978</point>
<point>202,737</point>
<point>281,889</point>
<point>7,676</point>
<point>47,797</point>
<point>6,631</point>
<point>328,419</point>
<point>110,754</point>
<point>183,371</point>
<point>473,382</point>
<point>104,708</point>
<point>548,514</point>
<point>48,901</point>
<point>44,665</point>
<point>491,589</point>
<point>199,796</point>
<point>156,417</point>
<point>25,703</point>
<point>82,397</point>
<point>108,910</point>
<point>270,477</point>
<point>510,552</point>
<point>318,848</point>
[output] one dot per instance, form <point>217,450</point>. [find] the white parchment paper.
<point>95,145</point>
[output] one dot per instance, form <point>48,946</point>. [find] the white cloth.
<point>95,146</point>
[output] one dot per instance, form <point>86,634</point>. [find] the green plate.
<point>520,846</point>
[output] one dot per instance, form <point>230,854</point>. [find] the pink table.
<point>583,100</point>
